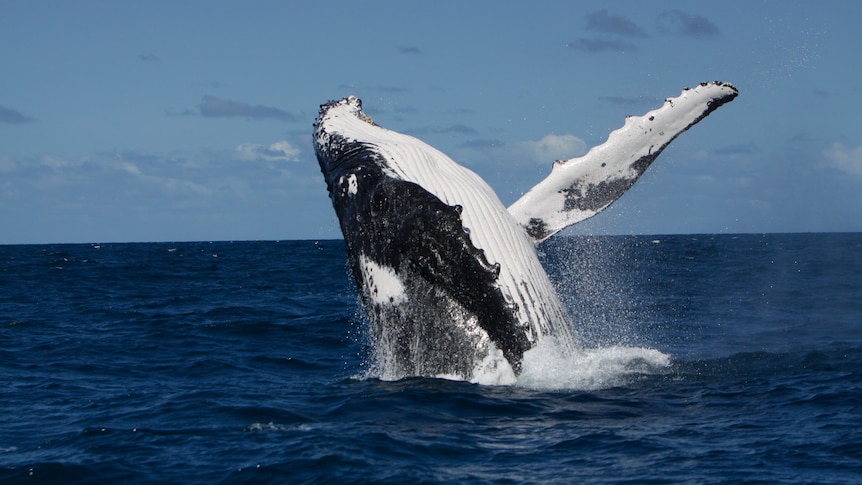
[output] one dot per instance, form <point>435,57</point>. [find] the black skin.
<point>402,226</point>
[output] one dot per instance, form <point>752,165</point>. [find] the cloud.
<point>213,107</point>
<point>518,155</point>
<point>132,169</point>
<point>602,21</point>
<point>594,45</point>
<point>138,195</point>
<point>9,115</point>
<point>552,147</point>
<point>278,151</point>
<point>676,22</point>
<point>148,57</point>
<point>55,162</point>
<point>845,159</point>
<point>137,177</point>
<point>410,51</point>
<point>457,128</point>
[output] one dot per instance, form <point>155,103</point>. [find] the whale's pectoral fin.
<point>582,187</point>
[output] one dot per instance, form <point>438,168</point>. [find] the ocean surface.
<point>707,359</point>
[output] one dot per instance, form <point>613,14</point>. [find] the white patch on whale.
<point>348,184</point>
<point>382,283</point>
<point>352,187</point>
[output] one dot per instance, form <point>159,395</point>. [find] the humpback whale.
<point>449,277</point>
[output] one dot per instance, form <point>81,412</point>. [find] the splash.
<point>546,367</point>
<point>597,278</point>
<point>551,366</point>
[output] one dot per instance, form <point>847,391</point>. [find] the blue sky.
<point>170,121</point>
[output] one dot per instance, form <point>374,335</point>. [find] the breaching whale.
<point>449,277</point>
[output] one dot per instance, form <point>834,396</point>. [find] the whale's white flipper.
<point>582,187</point>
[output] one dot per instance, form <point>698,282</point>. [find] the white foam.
<point>494,370</point>
<point>546,367</point>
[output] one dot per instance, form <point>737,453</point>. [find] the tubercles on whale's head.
<point>336,129</point>
<point>351,106</point>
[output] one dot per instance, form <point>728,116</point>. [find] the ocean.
<point>707,359</point>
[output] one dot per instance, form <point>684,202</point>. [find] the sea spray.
<point>546,367</point>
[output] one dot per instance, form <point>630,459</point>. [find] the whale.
<point>449,278</point>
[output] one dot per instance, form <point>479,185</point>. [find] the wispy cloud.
<point>602,21</point>
<point>845,159</point>
<point>523,153</point>
<point>159,195</point>
<point>149,57</point>
<point>410,51</point>
<point>278,151</point>
<point>677,22</point>
<point>616,33</point>
<point>612,30</point>
<point>552,147</point>
<point>593,45</point>
<point>214,107</point>
<point>9,115</point>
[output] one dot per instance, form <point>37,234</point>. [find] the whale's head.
<point>338,129</point>
<point>350,106</point>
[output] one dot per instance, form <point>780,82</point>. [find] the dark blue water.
<point>247,363</point>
